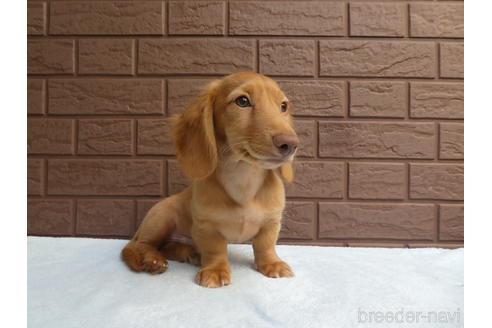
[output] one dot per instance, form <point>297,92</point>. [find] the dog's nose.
<point>286,143</point>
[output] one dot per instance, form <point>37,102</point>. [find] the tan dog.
<point>234,141</point>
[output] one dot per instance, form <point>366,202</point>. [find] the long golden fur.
<point>235,151</point>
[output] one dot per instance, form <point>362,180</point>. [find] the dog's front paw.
<point>276,269</point>
<point>213,277</point>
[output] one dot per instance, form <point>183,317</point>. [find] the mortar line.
<point>48,19</point>
<point>408,20</point>
<point>347,19</point>
<point>152,157</point>
<point>299,199</point>
<point>197,76</point>
<point>250,37</point>
<point>226,18</point>
<point>165,18</point>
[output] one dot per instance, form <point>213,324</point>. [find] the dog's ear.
<point>194,136</point>
<point>287,172</point>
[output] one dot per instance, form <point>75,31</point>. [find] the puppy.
<point>235,141</point>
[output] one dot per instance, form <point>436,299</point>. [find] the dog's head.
<point>246,114</point>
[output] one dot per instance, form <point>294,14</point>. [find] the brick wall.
<point>377,89</point>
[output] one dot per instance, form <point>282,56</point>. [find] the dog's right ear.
<point>194,136</point>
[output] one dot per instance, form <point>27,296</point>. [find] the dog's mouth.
<point>251,156</point>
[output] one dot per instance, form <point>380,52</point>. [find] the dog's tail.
<point>131,256</point>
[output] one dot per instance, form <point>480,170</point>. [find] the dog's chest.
<point>244,223</point>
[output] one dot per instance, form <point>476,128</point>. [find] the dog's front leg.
<point>212,246</point>
<point>266,258</point>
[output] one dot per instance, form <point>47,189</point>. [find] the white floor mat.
<point>81,282</point>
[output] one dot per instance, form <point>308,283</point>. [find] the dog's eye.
<point>283,107</point>
<point>242,101</point>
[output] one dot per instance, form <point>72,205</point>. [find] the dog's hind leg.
<point>176,251</point>
<point>143,257</point>
<point>142,252</point>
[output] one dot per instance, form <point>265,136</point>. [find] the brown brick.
<point>36,92</point>
<point>298,220</point>
<point>108,96</point>
<point>306,131</point>
<point>49,136</point>
<point>106,17</point>
<point>377,58</point>
<point>177,179</point>
<point>105,136</point>
<point>50,57</point>
<point>34,176</point>
<point>371,221</point>
<point>376,140</point>
<point>378,99</point>
<point>451,139</point>
<point>315,98</point>
<point>436,181</point>
<point>143,206</point>
<point>196,17</point>
<point>104,177</point>
<point>105,217</point>
<point>36,24</point>
<point>376,181</point>
<point>49,217</point>
<point>154,137</point>
<point>451,222</point>
<point>436,100</point>
<point>195,56</point>
<point>436,20</point>
<point>452,60</point>
<point>377,19</point>
<point>316,179</point>
<point>181,93</point>
<point>287,57</point>
<point>104,56</point>
<point>286,18</point>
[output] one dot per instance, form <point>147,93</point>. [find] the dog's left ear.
<point>287,172</point>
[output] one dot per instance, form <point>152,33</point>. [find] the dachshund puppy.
<point>235,141</point>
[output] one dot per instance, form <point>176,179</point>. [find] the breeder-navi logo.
<point>405,316</point>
